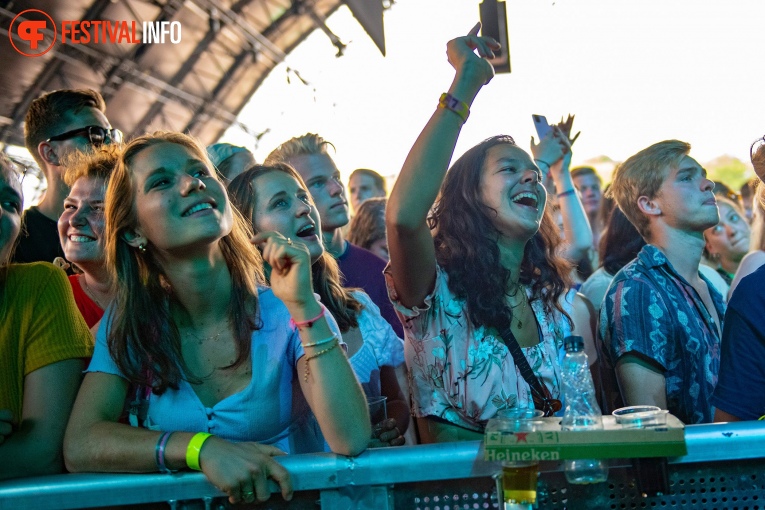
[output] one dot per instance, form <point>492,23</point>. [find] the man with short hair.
<point>57,124</point>
<point>661,320</point>
<point>360,268</point>
<point>363,184</point>
<point>589,185</point>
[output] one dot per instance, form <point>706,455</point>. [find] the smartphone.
<point>540,123</point>
<point>494,24</point>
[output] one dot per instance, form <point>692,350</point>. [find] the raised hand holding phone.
<point>541,125</point>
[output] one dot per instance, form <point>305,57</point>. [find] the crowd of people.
<point>224,312</point>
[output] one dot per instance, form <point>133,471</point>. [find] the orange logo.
<point>31,29</point>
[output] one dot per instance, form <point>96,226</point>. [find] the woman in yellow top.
<point>43,339</point>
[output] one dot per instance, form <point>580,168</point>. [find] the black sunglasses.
<point>97,135</point>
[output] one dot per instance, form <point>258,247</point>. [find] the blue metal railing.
<point>337,476</point>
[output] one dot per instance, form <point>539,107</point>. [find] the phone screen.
<point>540,123</point>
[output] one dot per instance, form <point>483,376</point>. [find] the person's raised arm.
<point>410,244</point>
<point>326,377</point>
<point>576,225</point>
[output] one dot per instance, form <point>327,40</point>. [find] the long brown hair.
<point>466,246</point>
<point>144,340</point>
<point>368,226</point>
<point>325,272</point>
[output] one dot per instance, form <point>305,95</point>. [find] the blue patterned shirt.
<point>651,310</point>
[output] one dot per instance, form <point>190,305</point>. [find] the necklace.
<point>212,338</point>
<point>522,304</point>
<point>523,309</point>
<point>92,295</point>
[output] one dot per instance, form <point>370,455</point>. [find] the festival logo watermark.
<point>33,32</point>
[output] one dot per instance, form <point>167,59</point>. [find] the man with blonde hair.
<point>661,319</point>
<point>361,268</point>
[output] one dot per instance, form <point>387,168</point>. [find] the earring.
<point>142,248</point>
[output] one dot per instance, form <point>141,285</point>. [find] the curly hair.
<point>466,246</point>
<point>325,271</point>
<point>144,340</point>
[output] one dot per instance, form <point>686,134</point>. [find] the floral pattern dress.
<point>465,374</point>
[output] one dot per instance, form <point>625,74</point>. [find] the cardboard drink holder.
<point>549,442</point>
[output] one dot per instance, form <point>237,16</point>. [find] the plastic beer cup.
<point>518,483</point>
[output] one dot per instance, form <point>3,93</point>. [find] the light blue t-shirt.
<point>266,411</point>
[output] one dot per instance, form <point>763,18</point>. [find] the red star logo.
<point>521,436</point>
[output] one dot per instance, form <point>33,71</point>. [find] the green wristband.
<point>195,446</point>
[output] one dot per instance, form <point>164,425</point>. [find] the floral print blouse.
<point>464,374</point>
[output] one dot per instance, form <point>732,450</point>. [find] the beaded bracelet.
<point>567,192</point>
<point>449,102</point>
<point>159,452</point>
<point>316,355</point>
<point>307,323</point>
<point>193,449</point>
<point>321,342</point>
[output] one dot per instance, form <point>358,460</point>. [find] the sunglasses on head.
<point>97,135</point>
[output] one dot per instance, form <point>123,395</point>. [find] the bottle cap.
<point>573,343</point>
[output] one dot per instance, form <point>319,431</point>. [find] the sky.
<point>633,72</point>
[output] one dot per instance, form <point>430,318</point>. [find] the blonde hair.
<point>308,144</point>
<point>143,339</point>
<point>642,175</point>
<point>98,164</point>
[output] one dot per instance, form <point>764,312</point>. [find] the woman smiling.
<point>213,356</point>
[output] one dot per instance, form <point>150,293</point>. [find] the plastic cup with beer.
<point>517,484</point>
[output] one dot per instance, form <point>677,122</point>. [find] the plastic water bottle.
<point>582,411</point>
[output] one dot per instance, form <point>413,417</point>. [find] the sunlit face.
<point>81,225</point>
<point>87,116</point>
<point>284,206</point>
<point>510,184</point>
<point>730,237</point>
<point>589,188</point>
<point>180,203</point>
<point>685,198</point>
<point>362,187</point>
<point>10,213</point>
<point>323,180</point>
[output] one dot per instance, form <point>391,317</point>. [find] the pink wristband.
<point>308,323</point>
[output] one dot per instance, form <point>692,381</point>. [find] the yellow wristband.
<point>449,102</point>
<point>195,446</point>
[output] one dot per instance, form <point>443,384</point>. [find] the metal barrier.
<point>724,469</point>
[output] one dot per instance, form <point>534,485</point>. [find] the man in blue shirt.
<point>661,320</point>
